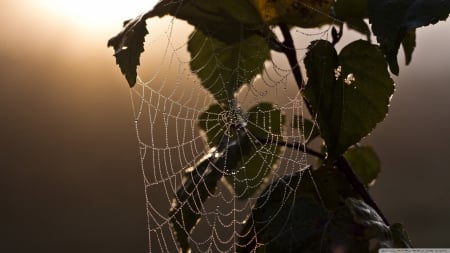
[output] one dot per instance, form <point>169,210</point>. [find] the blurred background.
<point>70,179</point>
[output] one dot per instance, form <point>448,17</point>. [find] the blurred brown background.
<point>69,164</point>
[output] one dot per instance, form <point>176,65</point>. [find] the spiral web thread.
<point>168,100</point>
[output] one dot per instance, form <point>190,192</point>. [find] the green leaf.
<point>128,46</point>
<point>310,129</point>
<point>223,67</point>
<point>225,20</point>
<point>304,13</point>
<point>284,219</point>
<point>349,93</point>
<point>199,183</point>
<point>292,226</point>
<point>282,224</point>
<point>365,163</point>
<point>391,20</point>
<point>287,217</point>
<point>331,183</point>
<point>409,44</point>
<point>351,9</point>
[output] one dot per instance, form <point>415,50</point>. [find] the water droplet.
<point>337,72</point>
<point>349,79</point>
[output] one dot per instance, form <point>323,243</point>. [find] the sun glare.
<point>96,14</point>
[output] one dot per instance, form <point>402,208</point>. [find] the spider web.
<point>168,103</point>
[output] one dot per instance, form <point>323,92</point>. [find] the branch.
<point>293,145</point>
<point>345,168</point>
<point>289,50</point>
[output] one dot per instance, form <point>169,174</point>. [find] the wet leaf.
<point>223,67</point>
<point>128,46</point>
<point>391,20</point>
<point>365,163</point>
<point>349,93</point>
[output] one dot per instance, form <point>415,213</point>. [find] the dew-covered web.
<point>175,123</point>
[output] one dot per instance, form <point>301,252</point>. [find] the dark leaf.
<point>349,93</point>
<point>286,219</point>
<point>409,44</point>
<point>331,183</point>
<point>282,224</point>
<point>353,12</point>
<point>223,67</point>
<point>227,20</point>
<point>199,183</point>
<point>305,13</point>
<point>365,163</point>
<point>392,19</point>
<point>128,46</point>
<point>360,26</point>
<point>351,9</point>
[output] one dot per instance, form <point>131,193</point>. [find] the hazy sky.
<point>69,166</point>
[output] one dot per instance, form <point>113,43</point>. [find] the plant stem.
<point>289,50</point>
<point>342,164</point>
<point>293,145</point>
<point>345,168</point>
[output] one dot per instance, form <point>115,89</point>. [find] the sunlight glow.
<point>96,14</point>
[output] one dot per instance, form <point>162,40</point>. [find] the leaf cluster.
<point>347,94</point>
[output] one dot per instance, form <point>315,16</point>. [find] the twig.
<point>293,145</point>
<point>289,50</point>
<point>345,168</point>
